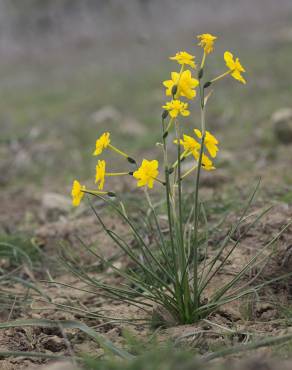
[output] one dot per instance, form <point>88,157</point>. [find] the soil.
<point>262,316</point>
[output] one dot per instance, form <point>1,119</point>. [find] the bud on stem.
<point>164,114</point>
<point>131,160</point>
<point>201,73</point>
<point>174,90</point>
<point>111,194</point>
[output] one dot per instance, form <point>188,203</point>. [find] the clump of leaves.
<point>18,249</point>
<point>162,359</point>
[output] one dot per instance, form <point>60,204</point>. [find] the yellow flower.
<point>176,107</point>
<point>77,193</point>
<point>184,58</point>
<point>206,162</point>
<point>210,142</point>
<point>100,174</point>
<point>184,82</point>
<point>234,66</point>
<point>147,173</point>
<point>207,42</point>
<point>189,144</point>
<point>101,143</point>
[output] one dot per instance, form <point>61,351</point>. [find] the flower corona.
<point>100,174</point>
<point>102,143</point>
<point>185,85</point>
<point>147,173</point>
<point>77,193</point>
<point>234,66</point>
<point>184,58</point>
<point>207,42</point>
<point>176,107</point>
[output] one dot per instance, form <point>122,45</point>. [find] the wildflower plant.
<point>171,272</point>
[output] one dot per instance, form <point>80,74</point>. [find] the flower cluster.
<point>183,85</point>
<point>146,174</point>
<point>202,146</point>
<point>192,146</point>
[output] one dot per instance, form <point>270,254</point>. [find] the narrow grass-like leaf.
<point>271,341</point>
<point>47,356</point>
<point>105,343</point>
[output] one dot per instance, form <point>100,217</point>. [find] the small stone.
<point>161,317</point>
<point>282,123</point>
<point>132,127</point>
<point>225,158</point>
<point>284,34</point>
<point>53,343</point>
<point>22,161</point>
<point>54,205</point>
<point>59,366</point>
<point>213,179</point>
<point>106,114</point>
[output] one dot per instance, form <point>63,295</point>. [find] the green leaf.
<point>70,324</point>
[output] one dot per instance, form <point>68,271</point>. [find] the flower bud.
<point>111,194</point>
<point>201,73</point>
<point>164,114</point>
<point>165,134</point>
<point>207,84</point>
<point>174,90</point>
<point>131,160</point>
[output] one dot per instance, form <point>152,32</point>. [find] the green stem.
<point>180,201</point>
<point>196,279</point>
<point>203,60</point>
<point>171,232</point>
<point>221,76</point>
<point>169,125</point>
<point>170,218</point>
<point>183,262</point>
<point>163,246</point>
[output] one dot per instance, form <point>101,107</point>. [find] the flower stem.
<point>118,151</point>
<point>170,220</point>
<point>203,60</point>
<point>196,212</point>
<point>180,199</point>
<point>183,260</point>
<point>178,81</point>
<point>189,171</point>
<point>158,180</point>
<point>183,155</point>
<point>221,76</point>
<point>169,125</point>
<point>116,173</point>
<point>95,192</point>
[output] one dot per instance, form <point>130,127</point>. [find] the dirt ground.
<point>52,107</point>
<point>254,318</point>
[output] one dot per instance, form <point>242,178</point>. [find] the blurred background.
<point>70,69</point>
